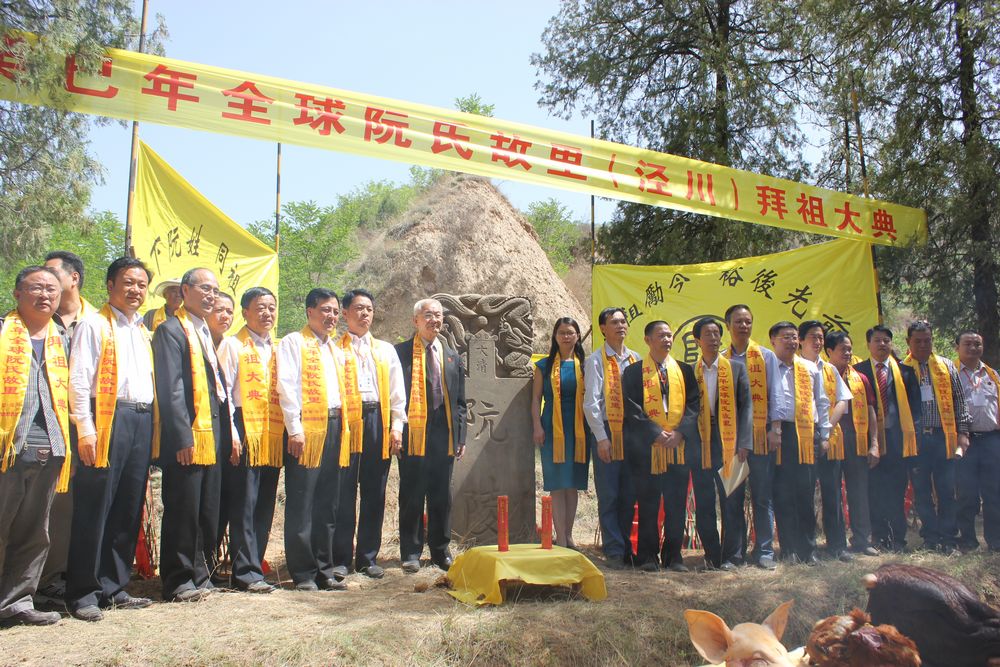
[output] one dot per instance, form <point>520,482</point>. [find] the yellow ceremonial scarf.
<point>558,436</point>
<point>859,409</point>
<point>836,451</point>
<point>201,430</point>
<point>805,412</point>
<point>416,417</point>
<point>652,405</point>
<point>726,417</point>
<point>352,400</point>
<point>159,317</point>
<point>106,396</point>
<point>614,404</point>
<point>902,404</point>
<point>315,413</point>
<point>263,422</point>
<point>941,381</point>
<point>757,371</point>
<point>15,358</point>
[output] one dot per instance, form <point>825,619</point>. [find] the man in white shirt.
<point>376,362</point>
<point>313,493</point>
<point>114,449</point>
<point>615,491</point>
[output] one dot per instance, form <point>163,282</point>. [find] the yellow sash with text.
<point>902,404</point>
<point>726,417</point>
<point>263,422</point>
<point>652,405</point>
<point>805,412</point>
<point>558,435</point>
<point>202,434</point>
<point>836,451</point>
<point>106,396</point>
<point>859,409</point>
<point>757,372</point>
<point>315,410</point>
<point>352,400</point>
<point>941,381</point>
<point>416,416</point>
<point>15,359</point>
<point>614,403</point>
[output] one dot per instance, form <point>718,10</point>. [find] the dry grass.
<point>388,622</point>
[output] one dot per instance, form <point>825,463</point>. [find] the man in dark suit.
<point>725,402</point>
<point>425,468</point>
<point>887,480</point>
<point>189,448</point>
<point>642,434</point>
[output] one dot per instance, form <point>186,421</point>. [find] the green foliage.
<point>319,243</point>
<point>98,242</point>
<point>558,234</point>
<point>45,172</point>
<point>711,80</point>
<point>474,104</point>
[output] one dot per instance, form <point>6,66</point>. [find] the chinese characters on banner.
<point>176,228</point>
<point>831,282</point>
<point>173,92</point>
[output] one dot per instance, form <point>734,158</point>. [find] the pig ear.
<point>779,619</point>
<point>709,634</point>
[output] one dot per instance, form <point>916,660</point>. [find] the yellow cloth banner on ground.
<point>478,573</point>
<point>154,89</point>
<point>831,282</point>
<point>175,228</point>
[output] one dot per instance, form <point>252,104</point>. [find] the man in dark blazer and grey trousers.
<point>887,480</point>
<point>641,434</point>
<point>190,490</point>
<point>427,477</point>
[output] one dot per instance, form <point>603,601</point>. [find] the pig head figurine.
<point>746,644</point>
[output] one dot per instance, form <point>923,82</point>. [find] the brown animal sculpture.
<point>852,641</point>
<point>746,644</point>
<point>948,622</point>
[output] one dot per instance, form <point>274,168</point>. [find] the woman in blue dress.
<point>559,428</point>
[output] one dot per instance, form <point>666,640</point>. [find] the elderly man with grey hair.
<point>433,437</point>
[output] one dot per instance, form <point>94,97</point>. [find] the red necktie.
<point>882,374</point>
<point>437,394</point>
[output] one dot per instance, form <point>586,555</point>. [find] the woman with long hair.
<point>559,428</point>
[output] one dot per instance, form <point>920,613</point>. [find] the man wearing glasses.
<point>190,391</point>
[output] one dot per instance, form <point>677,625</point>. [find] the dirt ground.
<point>405,620</point>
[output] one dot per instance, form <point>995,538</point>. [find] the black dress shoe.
<point>331,585</point>
<point>261,587</point>
<point>728,566</point>
<point>190,595</point>
<point>410,566</point>
<point>125,601</point>
<point>306,586</point>
<point>32,617</point>
<point>444,562</point>
<point>340,572</point>
<point>373,571</point>
<point>90,613</point>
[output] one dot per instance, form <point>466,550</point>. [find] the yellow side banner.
<point>176,228</point>
<point>831,282</point>
<point>161,90</point>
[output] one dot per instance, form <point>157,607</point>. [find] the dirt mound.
<point>461,237</point>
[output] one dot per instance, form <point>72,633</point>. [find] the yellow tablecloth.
<point>477,573</point>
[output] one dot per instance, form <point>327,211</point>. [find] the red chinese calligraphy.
<point>249,101</point>
<point>319,113</point>
<point>652,179</point>
<point>811,210</point>
<point>381,128</point>
<point>882,223</point>
<point>706,189</point>
<point>771,199</point>
<point>165,82</point>
<point>849,216</point>
<point>72,68</point>
<point>507,148</point>
<point>9,66</point>
<point>567,155</point>
<point>449,132</point>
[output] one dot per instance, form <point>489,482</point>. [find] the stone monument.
<point>489,333</point>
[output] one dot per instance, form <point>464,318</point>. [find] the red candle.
<point>503,539</point>
<point>546,522</point>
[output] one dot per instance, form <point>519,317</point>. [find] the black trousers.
<point>426,479</point>
<point>978,477</point>
<point>369,472</point>
<point>887,493</point>
<point>107,513</point>
<point>648,492</point>
<point>794,490</point>
<point>933,476</point>
<point>251,496</point>
<point>830,474</point>
<point>312,497</point>
<point>674,487</point>
<point>708,487</point>
<point>856,472</point>
<point>227,478</point>
<point>190,521</point>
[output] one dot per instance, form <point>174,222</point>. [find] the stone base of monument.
<point>481,575</point>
